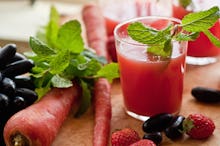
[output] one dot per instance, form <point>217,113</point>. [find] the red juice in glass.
<point>150,84</point>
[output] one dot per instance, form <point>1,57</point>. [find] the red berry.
<point>198,126</point>
<point>144,142</point>
<point>124,137</point>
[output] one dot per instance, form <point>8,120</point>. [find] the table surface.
<point>79,131</point>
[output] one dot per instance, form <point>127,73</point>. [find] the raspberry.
<point>144,142</point>
<point>124,137</point>
<point>198,126</point>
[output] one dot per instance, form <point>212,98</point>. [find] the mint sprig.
<point>159,42</point>
<point>60,56</point>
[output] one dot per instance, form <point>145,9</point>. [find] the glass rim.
<point>118,26</point>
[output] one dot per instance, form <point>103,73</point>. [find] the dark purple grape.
<point>156,137</point>
<point>1,77</point>
<point>157,123</point>
<point>208,95</point>
<point>18,103</point>
<point>18,68</point>
<point>24,82</point>
<point>175,130</point>
<point>17,57</point>
<point>7,87</point>
<point>6,53</point>
<point>4,102</point>
<point>29,95</point>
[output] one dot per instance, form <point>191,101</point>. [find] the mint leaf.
<point>59,62</point>
<point>146,34</point>
<point>60,82</point>
<point>200,21</point>
<point>43,84</point>
<point>40,48</point>
<point>159,42</point>
<point>163,49</point>
<point>85,100</point>
<point>42,91</point>
<point>141,33</point>
<point>187,37</point>
<point>90,54</point>
<point>62,58</point>
<point>82,67</point>
<point>69,37</point>
<point>109,71</point>
<point>41,34</point>
<point>151,37</point>
<point>52,27</point>
<point>212,38</point>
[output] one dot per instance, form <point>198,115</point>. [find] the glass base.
<point>200,60</point>
<point>141,117</point>
<point>136,116</point>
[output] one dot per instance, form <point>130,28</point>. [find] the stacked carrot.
<point>97,39</point>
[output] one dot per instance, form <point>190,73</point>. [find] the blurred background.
<point>20,19</point>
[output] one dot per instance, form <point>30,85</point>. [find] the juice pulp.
<point>150,86</point>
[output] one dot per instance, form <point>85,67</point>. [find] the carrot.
<point>39,124</point>
<point>103,112</point>
<point>95,29</point>
<point>97,39</point>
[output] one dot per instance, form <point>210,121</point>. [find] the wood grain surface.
<point>78,132</point>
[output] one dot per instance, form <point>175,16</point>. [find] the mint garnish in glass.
<point>159,42</point>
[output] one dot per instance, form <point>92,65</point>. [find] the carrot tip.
<point>18,139</point>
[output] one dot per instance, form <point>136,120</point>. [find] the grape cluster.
<point>16,88</point>
<point>171,125</point>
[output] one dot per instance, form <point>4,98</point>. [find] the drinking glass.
<point>150,84</point>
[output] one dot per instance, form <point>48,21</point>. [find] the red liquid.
<point>179,12</point>
<point>150,87</point>
<point>112,21</point>
<point>110,25</point>
<point>137,7</point>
